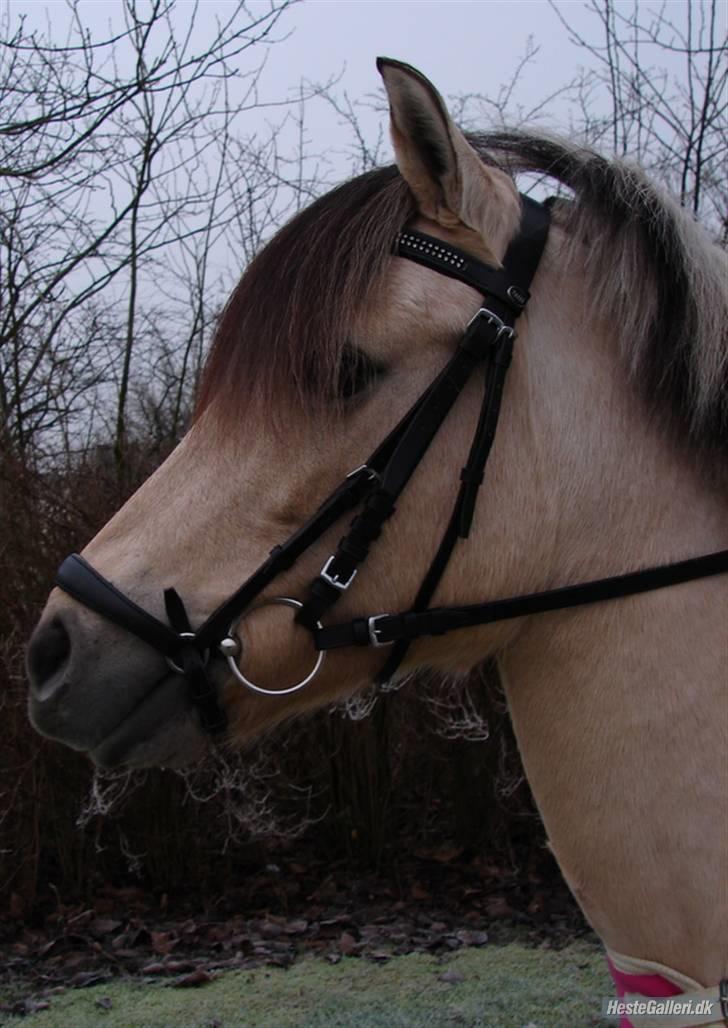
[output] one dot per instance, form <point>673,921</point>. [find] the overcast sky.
<point>464,46</point>
<point>467,45</point>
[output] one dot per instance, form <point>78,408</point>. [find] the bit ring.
<point>232,646</point>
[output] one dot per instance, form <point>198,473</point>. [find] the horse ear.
<point>450,183</point>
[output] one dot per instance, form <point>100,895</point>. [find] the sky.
<point>463,46</point>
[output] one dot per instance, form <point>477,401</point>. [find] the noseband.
<point>376,486</point>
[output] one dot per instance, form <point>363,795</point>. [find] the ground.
<point>453,941</point>
<point>508,986</point>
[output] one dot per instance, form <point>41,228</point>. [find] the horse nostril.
<point>48,653</point>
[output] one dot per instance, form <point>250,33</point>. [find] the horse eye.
<point>357,372</point>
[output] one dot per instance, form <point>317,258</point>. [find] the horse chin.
<point>135,745</point>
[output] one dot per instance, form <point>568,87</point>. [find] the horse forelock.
<point>285,328</point>
<point>651,275</point>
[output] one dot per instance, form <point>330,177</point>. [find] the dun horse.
<point>385,311</point>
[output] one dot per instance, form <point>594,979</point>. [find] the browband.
<point>509,284</point>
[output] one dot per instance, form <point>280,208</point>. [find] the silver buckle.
<point>371,473</point>
<point>493,319</point>
<point>374,639</point>
<point>334,580</point>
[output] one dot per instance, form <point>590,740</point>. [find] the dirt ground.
<point>123,955</point>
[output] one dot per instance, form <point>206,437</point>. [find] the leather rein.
<point>375,487</point>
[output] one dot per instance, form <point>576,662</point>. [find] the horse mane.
<point>651,271</point>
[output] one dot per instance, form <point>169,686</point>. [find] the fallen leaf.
<point>103,926</point>
<point>156,967</point>
<point>84,979</point>
<point>347,944</point>
<point>163,942</point>
<point>180,966</point>
<point>32,1006</point>
<point>295,927</point>
<point>498,906</point>
<point>193,980</point>
<point>270,928</point>
<point>446,854</point>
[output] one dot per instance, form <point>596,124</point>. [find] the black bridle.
<point>376,486</point>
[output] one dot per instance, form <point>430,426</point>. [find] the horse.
<point>610,457</point>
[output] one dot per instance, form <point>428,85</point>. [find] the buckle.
<point>334,579</point>
<point>177,668</point>
<point>372,475</point>
<point>480,341</point>
<point>374,639</point>
<point>493,319</point>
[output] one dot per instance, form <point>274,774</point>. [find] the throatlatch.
<point>376,486</point>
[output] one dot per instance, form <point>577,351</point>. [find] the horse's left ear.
<point>450,183</point>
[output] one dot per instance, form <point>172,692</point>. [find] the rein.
<point>376,486</point>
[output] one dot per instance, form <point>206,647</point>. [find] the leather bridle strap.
<point>471,479</point>
<point>488,340</point>
<point>353,489</point>
<point>481,339</point>
<point>519,266</point>
<point>383,629</point>
<point>82,581</point>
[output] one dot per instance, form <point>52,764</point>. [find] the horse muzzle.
<point>103,693</point>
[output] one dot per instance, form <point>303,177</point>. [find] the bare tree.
<point>105,155</point>
<point>657,93</point>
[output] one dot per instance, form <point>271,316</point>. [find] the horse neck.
<point>620,708</point>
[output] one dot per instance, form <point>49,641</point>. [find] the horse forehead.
<point>412,297</point>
